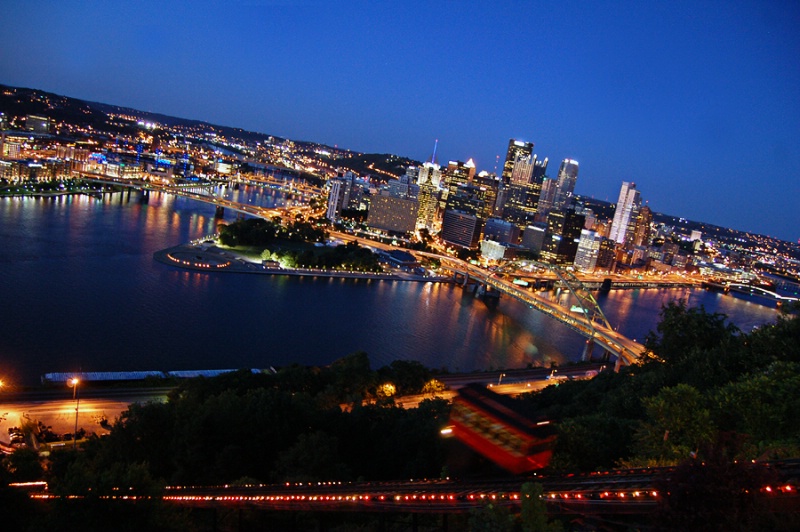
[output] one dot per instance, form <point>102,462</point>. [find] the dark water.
<point>81,291</point>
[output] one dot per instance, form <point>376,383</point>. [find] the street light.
<point>501,378</point>
<point>73,383</point>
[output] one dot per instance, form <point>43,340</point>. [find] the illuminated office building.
<point>519,152</point>
<point>626,210</point>
<point>460,228</point>
<point>565,186</point>
<point>641,230</point>
<point>393,213</point>
<point>562,237</point>
<point>588,250</point>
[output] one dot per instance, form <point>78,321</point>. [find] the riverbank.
<point>207,257</point>
<point>56,193</point>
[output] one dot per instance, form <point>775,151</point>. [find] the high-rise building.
<point>403,188</point>
<point>338,197</point>
<point>518,152</point>
<point>393,213</point>
<point>606,255</point>
<point>468,198</point>
<point>627,208</point>
<point>489,185</point>
<point>501,231</point>
<point>429,196</point>
<point>539,169</point>
<point>460,228</point>
<point>412,173</point>
<point>547,198</point>
<point>458,173</point>
<point>567,176</point>
<point>641,231</point>
<point>517,170</point>
<point>430,173</point>
<point>533,237</point>
<point>563,234</point>
<point>588,250</point>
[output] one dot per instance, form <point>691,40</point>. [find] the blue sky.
<point>696,102</point>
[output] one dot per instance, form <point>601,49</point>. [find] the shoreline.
<point>210,258</point>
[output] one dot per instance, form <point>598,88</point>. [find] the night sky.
<point>696,102</point>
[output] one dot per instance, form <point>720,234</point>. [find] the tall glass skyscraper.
<point>567,176</point>
<point>628,206</point>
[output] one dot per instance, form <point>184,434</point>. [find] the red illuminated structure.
<point>490,424</point>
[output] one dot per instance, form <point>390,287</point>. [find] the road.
<point>57,410</point>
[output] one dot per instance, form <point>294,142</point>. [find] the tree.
<point>677,425</point>
<point>313,457</point>
<point>683,331</point>
<point>716,493</point>
<point>24,465</point>
<point>534,510</point>
<point>491,518</point>
<point>764,406</point>
<point>433,387</point>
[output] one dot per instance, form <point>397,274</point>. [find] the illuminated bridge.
<point>587,319</point>
<point>752,290</point>
<point>201,192</point>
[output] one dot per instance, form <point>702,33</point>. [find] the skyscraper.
<point>489,184</point>
<point>339,196</point>
<point>567,176</point>
<point>518,151</point>
<point>456,174</point>
<point>588,250</point>
<point>539,169</point>
<point>562,237</point>
<point>520,193</point>
<point>429,173</point>
<point>641,232</point>
<point>547,198</point>
<point>627,207</point>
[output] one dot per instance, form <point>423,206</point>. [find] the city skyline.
<point>690,102</point>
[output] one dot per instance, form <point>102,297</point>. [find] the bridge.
<point>200,192</point>
<point>587,319</point>
<point>752,290</point>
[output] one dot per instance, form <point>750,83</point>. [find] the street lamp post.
<point>501,378</point>
<point>75,397</point>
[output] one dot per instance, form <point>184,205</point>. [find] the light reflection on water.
<point>81,291</point>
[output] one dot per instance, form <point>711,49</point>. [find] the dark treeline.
<point>262,233</point>
<point>708,398</point>
<point>291,245</point>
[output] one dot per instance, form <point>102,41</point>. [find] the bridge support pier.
<point>219,212</point>
<point>587,350</point>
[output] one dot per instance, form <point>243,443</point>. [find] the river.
<point>81,292</point>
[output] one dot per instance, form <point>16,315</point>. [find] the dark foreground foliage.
<point>707,399</point>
